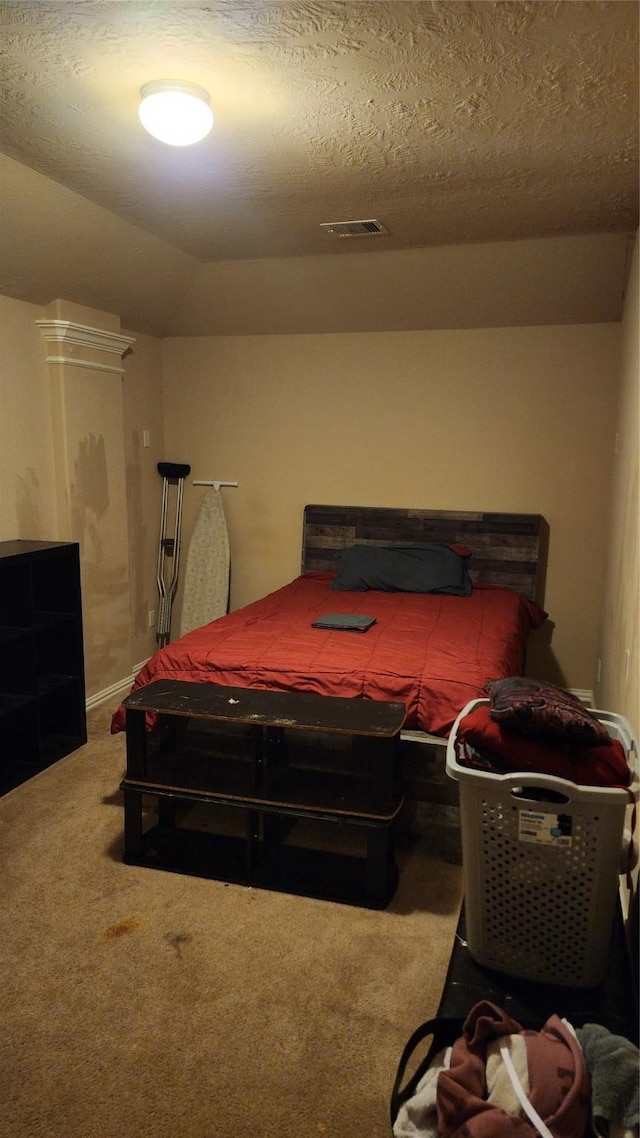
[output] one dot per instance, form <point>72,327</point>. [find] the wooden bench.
<point>289,790</point>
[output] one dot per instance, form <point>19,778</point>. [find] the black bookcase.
<point>42,689</point>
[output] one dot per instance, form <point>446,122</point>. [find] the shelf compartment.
<point>197,853</point>
<point>330,876</point>
<point>192,769</point>
<point>20,737</point>
<point>55,745</point>
<point>14,632</point>
<point>297,790</point>
<point>14,772</point>
<point>15,595</point>
<point>42,697</point>
<point>56,581</point>
<point>51,682</point>
<point>318,772</point>
<point>57,644</point>
<point>327,863</point>
<point>334,793</point>
<point>11,702</point>
<point>62,712</point>
<point>55,620</point>
<point>17,666</point>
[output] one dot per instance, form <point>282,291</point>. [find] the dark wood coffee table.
<point>295,791</point>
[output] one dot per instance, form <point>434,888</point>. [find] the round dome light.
<point>174,112</point>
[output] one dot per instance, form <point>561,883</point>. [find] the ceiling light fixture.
<point>175,112</point>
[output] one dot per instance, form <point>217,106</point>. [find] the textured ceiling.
<point>450,122</point>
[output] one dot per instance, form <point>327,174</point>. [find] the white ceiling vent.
<point>353,228</point>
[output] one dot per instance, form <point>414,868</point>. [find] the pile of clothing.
<point>534,726</point>
<point>500,1080</point>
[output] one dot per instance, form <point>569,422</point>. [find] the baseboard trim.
<point>585,695</point>
<point>120,688</point>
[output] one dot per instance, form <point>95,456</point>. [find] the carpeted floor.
<point>143,1004</point>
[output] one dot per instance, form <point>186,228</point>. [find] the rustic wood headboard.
<point>506,549</point>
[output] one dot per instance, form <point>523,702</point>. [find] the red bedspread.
<point>431,652</point>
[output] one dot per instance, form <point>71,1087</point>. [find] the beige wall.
<point>389,418</point>
<point>27,490</point>
<point>85,381</point>
<point>619,650</point>
<point>73,468</point>
<point>500,419</point>
<point>143,412</point>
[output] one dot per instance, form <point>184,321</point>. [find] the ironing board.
<point>206,582</point>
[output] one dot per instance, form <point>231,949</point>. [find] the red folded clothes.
<point>484,745</point>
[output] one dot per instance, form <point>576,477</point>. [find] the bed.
<point>432,651</point>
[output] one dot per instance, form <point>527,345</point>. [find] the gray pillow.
<point>424,567</point>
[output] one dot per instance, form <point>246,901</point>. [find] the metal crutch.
<point>173,474</point>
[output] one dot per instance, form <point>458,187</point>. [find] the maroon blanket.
<point>487,745</point>
<point>431,652</point>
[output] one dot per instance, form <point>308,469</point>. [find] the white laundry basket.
<point>541,864</point>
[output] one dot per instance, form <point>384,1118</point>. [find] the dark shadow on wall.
<point>540,658</point>
<point>104,578</point>
<point>137,539</point>
<point>29,507</point>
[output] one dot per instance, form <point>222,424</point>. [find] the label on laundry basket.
<point>545,829</point>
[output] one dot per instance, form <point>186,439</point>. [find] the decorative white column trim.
<point>75,361</point>
<point>67,334</point>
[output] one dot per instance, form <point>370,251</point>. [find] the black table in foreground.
<point>612,1003</point>
<point>282,790</point>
